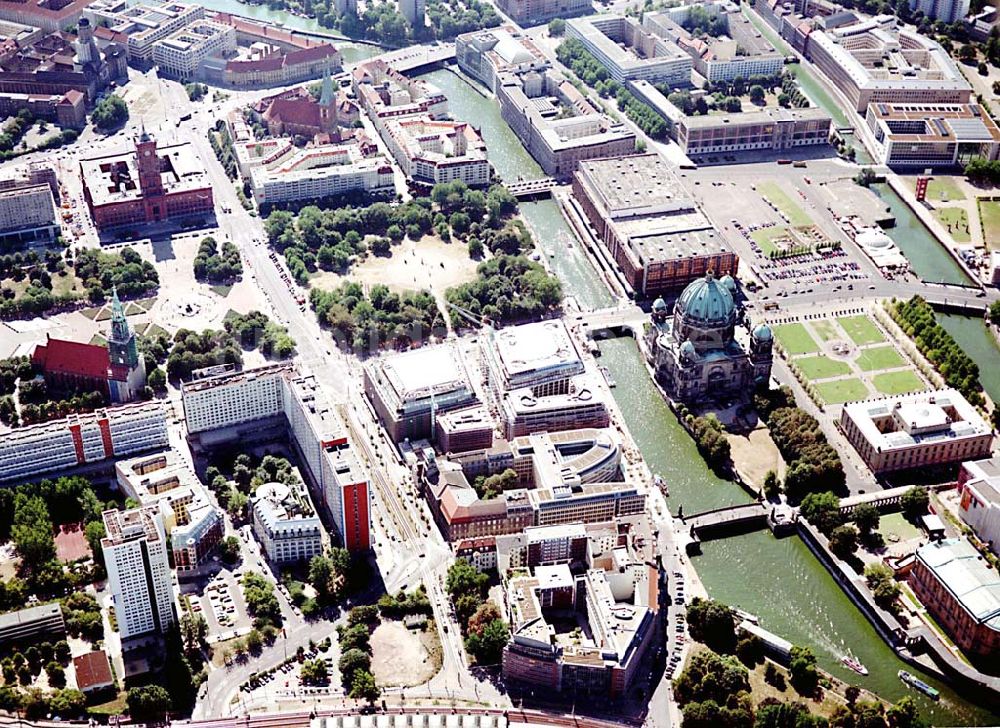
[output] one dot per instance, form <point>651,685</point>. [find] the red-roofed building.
<point>116,370</point>
<point>93,672</point>
<point>70,365</point>
<point>280,68</point>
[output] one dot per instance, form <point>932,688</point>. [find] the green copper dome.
<point>707,301</point>
<point>762,332</point>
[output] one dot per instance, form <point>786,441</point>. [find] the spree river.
<point>777,579</point>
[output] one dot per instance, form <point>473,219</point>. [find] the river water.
<point>976,340</point>
<point>928,257</point>
<point>779,580</point>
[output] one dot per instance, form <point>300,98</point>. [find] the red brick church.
<point>116,370</point>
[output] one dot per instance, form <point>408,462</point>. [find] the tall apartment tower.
<point>135,554</point>
<point>413,11</point>
<point>128,369</point>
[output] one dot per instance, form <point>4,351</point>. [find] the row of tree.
<point>916,318</point>
<point>588,69</point>
<point>813,463</point>
<point>482,624</point>
<point>356,653</point>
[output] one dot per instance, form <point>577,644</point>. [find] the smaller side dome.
<point>729,282</point>
<point>688,351</point>
<point>659,305</point>
<point>762,332</point>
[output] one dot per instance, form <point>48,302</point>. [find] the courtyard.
<point>846,358</point>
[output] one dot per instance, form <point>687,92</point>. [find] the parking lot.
<point>219,599</point>
<point>676,626</point>
<point>283,680</point>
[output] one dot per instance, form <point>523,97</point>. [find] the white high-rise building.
<point>413,11</point>
<point>139,579</point>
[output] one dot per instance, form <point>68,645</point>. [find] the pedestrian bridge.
<point>730,517</point>
<point>616,319</point>
<point>414,58</point>
<point>883,500</point>
<point>524,189</point>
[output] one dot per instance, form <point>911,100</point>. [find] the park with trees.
<point>728,681</point>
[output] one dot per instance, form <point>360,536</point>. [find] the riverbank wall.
<point>905,642</point>
<point>897,185</point>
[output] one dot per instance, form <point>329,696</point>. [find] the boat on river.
<point>915,682</point>
<point>854,663</point>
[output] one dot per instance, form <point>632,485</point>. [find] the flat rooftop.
<point>906,420</point>
<point>640,184</point>
<point>537,347</point>
<point>767,115</point>
<point>417,373</point>
<point>936,122</point>
<point>879,54</point>
<point>963,572</point>
<point>115,177</point>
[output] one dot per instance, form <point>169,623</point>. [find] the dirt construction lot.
<point>401,656</point>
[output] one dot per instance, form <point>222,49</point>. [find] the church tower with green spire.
<point>128,369</point>
<point>328,104</point>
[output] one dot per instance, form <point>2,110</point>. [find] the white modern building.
<point>880,61</point>
<point>541,356</point>
<point>286,524</point>
<point>485,54</point>
<point>240,402</point>
<point>216,402</point>
<point>432,151</point>
<point>288,174</point>
<point>80,439</point>
<point>27,209</point>
<point>143,24</point>
<point>932,135</point>
<point>629,52</point>
<point>408,390</point>
<point>979,505</point>
<point>920,429</point>
<point>181,54</point>
<point>740,51</point>
<point>139,579</point>
<point>947,11</point>
<point>166,481</point>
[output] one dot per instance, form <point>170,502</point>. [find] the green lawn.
<point>826,330</point>
<point>821,367</point>
<point>879,357</point>
<point>842,390</point>
<point>895,528</point>
<point>898,382</point>
<point>989,216</point>
<point>765,237</point>
<point>861,329</point>
<point>956,221</point>
<point>795,339</point>
<point>796,216</point>
<point>942,189</point>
